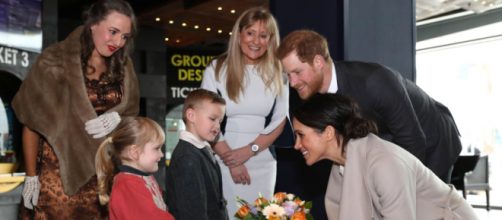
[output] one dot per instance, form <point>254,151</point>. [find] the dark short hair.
<point>307,45</point>
<point>339,111</point>
<point>196,97</point>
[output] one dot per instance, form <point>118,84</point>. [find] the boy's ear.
<point>190,114</point>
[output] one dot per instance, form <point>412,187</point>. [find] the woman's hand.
<point>240,175</point>
<point>237,156</point>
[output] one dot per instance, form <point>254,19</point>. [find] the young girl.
<point>127,160</point>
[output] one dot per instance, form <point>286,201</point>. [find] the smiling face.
<point>111,34</point>
<point>254,41</point>
<point>205,120</point>
<point>309,142</point>
<point>149,157</point>
<point>305,78</point>
<point>317,145</point>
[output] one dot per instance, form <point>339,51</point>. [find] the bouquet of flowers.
<point>282,206</point>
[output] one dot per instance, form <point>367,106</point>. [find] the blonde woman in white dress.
<point>249,77</point>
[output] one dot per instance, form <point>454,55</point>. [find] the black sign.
<point>16,61</point>
<point>184,73</point>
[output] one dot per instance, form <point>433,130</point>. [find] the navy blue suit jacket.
<point>403,112</point>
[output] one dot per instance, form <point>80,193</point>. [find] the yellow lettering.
<point>182,74</point>
<point>175,60</point>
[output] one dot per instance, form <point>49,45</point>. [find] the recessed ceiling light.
<point>184,24</point>
<point>171,22</point>
<point>208,29</point>
<point>166,39</point>
<point>219,31</point>
<point>157,19</point>
<point>220,8</point>
<point>196,26</point>
<point>232,11</point>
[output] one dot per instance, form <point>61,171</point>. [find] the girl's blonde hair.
<point>268,66</point>
<point>131,131</point>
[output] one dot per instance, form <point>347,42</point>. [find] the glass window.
<point>174,124</point>
<point>6,127</point>
<point>464,72</point>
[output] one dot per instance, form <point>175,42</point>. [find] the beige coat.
<point>380,180</point>
<point>53,101</point>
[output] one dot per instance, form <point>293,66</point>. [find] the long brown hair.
<point>96,13</point>
<point>269,66</point>
<point>131,131</point>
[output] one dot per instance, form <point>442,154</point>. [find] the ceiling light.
<point>232,11</point>
<point>196,26</point>
<point>171,22</point>
<point>220,8</point>
<point>230,33</point>
<point>208,29</point>
<point>166,39</point>
<point>184,24</point>
<point>157,19</point>
<point>219,31</point>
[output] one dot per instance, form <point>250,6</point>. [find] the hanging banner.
<point>185,70</point>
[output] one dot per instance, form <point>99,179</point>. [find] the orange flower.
<point>299,216</point>
<point>243,211</point>
<point>280,196</point>
<point>259,201</point>
<point>299,202</point>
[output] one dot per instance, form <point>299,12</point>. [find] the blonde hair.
<point>269,66</point>
<point>131,131</point>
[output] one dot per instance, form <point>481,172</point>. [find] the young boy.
<point>194,188</point>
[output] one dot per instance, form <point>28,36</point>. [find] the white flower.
<point>290,196</point>
<point>273,210</point>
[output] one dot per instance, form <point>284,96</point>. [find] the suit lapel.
<point>209,157</point>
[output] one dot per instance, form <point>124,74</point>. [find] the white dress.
<point>245,121</point>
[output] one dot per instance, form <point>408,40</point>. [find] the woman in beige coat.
<point>371,178</point>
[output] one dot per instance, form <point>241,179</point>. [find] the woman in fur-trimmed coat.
<point>73,96</point>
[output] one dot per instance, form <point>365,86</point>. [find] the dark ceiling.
<point>204,22</point>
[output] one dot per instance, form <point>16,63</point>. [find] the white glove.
<point>31,191</point>
<point>102,125</point>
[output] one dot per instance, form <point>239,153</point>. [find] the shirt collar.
<point>333,86</point>
<point>128,169</point>
<point>191,138</point>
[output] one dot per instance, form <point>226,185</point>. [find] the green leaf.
<point>309,217</point>
<point>308,205</point>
